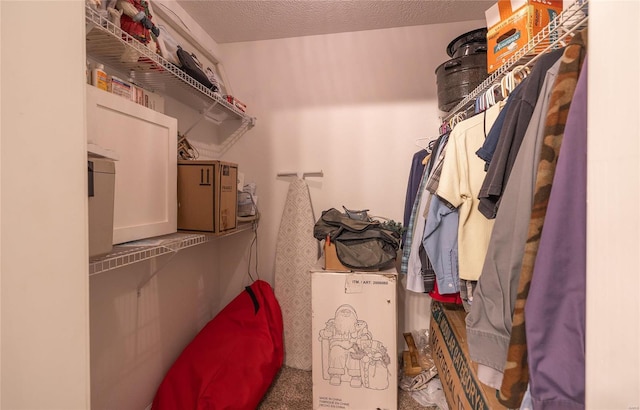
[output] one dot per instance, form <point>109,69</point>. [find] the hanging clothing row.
<point>474,236</point>
<point>556,34</point>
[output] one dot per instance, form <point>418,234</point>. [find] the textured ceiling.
<point>229,21</point>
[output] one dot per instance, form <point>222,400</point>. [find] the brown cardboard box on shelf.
<point>458,374</point>
<point>512,24</point>
<point>207,196</point>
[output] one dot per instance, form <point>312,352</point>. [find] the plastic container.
<point>472,39</point>
<point>459,76</point>
<point>466,69</point>
<point>99,78</point>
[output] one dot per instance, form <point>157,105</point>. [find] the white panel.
<point>516,4</point>
<point>354,312</point>
<point>145,142</point>
<point>613,214</point>
<point>44,300</point>
<point>492,15</point>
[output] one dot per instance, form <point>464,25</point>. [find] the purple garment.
<point>555,308</point>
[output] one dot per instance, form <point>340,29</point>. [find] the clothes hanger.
<point>429,150</point>
<point>504,90</point>
<point>511,79</point>
<point>477,106</point>
<point>520,73</point>
<point>508,83</point>
<point>487,99</point>
<point>429,145</point>
<point>458,117</point>
<point>452,121</point>
<point>444,128</point>
<point>490,95</point>
<point>421,143</point>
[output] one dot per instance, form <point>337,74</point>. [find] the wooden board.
<point>457,372</point>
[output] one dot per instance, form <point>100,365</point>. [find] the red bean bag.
<point>232,362</point>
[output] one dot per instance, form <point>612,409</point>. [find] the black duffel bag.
<point>360,244</point>
<point>189,64</point>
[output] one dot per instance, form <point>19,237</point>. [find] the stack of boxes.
<point>513,23</point>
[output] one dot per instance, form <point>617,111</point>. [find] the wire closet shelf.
<point>150,248</point>
<point>572,19</point>
<point>116,48</point>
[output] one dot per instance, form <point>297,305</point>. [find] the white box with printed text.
<point>354,339</point>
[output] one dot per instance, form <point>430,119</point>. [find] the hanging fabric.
<point>515,126</point>
<point>489,321</point>
<point>516,375</point>
<point>460,181</point>
<point>440,238</point>
<point>556,306</point>
<point>415,175</point>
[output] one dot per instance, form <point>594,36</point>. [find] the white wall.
<point>349,104</point>
<point>44,298</point>
<point>142,316</point>
<point>613,214</point>
<point>62,332</point>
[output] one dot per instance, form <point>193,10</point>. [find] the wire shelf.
<point>145,249</point>
<point>115,48</point>
<point>572,19</point>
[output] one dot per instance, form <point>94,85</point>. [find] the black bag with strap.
<point>189,64</point>
<point>360,244</point>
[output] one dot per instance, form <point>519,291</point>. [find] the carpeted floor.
<point>292,390</point>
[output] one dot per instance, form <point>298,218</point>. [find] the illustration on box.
<point>350,354</point>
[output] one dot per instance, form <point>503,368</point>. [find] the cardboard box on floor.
<point>512,23</point>
<point>458,374</point>
<point>354,342</point>
<point>331,261</point>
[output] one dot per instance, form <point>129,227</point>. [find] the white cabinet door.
<point>146,143</point>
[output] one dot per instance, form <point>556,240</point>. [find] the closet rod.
<point>287,174</point>
<point>304,174</point>
<point>312,174</point>
<point>565,23</point>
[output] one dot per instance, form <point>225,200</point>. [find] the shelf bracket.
<point>205,115</point>
<point>155,270</point>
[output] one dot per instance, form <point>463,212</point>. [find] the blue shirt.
<point>440,240</point>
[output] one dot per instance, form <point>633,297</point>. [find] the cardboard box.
<point>147,98</point>
<point>207,196</point>
<point>354,350</point>
<point>512,23</point>
<point>331,261</point>
<point>458,374</point>
<point>120,87</point>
